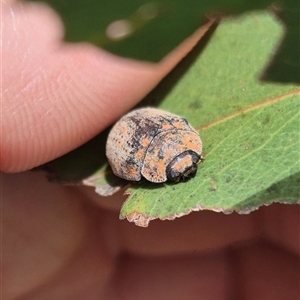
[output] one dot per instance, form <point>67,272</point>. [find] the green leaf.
<point>250,130</point>
<point>148,30</point>
<point>251,159</point>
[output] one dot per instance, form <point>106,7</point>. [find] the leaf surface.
<point>250,130</point>
<point>148,30</point>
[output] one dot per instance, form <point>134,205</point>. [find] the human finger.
<point>58,95</point>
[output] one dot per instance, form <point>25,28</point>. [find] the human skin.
<point>66,242</point>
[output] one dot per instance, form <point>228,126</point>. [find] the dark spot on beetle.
<point>154,169</point>
<point>132,152</point>
<point>168,120</point>
<point>135,120</point>
<point>185,121</point>
<point>130,161</point>
<point>145,127</point>
<point>134,144</point>
<point>160,154</point>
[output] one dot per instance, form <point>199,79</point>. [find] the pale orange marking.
<point>178,125</point>
<point>192,142</point>
<point>145,142</point>
<point>167,126</point>
<point>181,164</point>
<point>130,172</point>
<point>140,154</point>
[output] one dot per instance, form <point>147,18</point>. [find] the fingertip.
<point>58,95</point>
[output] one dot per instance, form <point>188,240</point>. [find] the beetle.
<point>153,144</point>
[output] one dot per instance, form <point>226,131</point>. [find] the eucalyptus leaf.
<point>250,130</point>
<point>148,30</point>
